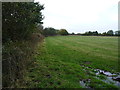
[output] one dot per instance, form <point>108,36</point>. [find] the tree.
<point>49,31</point>
<point>99,34</point>
<point>88,33</point>
<point>94,33</point>
<point>104,33</point>
<point>73,33</point>
<point>39,28</point>
<point>63,32</point>
<point>79,34</point>
<point>117,33</point>
<point>110,32</point>
<point>19,19</point>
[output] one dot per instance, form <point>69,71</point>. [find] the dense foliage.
<point>95,33</point>
<point>63,32</point>
<point>110,32</point>
<point>21,27</point>
<point>117,33</point>
<point>91,33</point>
<point>20,19</point>
<point>49,31</point>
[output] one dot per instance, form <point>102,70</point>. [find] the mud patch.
<point>105,76</point>
<point>85,83</point>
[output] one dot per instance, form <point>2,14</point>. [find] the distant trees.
<point>104,34</point>
<point>52,32</point>
<point>72,33</point>
<point>91,33</point>
<point>49,31</point>
<point>95,33</point>
<point>117,33</point>
<point>78,34</point>
<point>63,32</point>
<point>110,33</point>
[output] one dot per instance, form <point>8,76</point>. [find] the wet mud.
<point>110,78</point>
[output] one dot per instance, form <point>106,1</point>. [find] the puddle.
<point>98,71</point>
<point>84,84</point>
<point>110,78</point>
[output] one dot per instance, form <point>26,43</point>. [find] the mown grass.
<point>58,61</point>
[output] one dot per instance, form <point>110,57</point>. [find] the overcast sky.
<point>80,16</point>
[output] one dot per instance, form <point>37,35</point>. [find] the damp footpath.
<point>110,79</point>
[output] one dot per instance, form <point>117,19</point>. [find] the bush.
<point>63,32</point>
<point>20,22</point>
<point>19,19</point>
<point>49,31</point>
<point>17,56</point>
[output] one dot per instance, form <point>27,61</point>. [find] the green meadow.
<point>59,60</point>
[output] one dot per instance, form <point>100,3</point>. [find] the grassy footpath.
<point>58,61</point>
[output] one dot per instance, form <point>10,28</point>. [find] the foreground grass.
<point>58,61</point>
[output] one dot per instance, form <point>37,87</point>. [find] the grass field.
<point>59,61</point>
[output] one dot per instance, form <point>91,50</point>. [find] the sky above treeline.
<point>79,16</point>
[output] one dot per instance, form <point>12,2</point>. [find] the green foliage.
<point>78,34</point>
<point>52,32</point>
<point>19,19</point>
<point>95,33</point>
<point>117,33</point>
<point>110,33</point>
<point>49,31</point>
<point>72,33</point>
<point>91,33</point>
<point>63,32</point>
<point>104,33</point>
<point>21,28</point>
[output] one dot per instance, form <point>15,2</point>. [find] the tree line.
<point>50,31</point>
<point>108,33</point>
